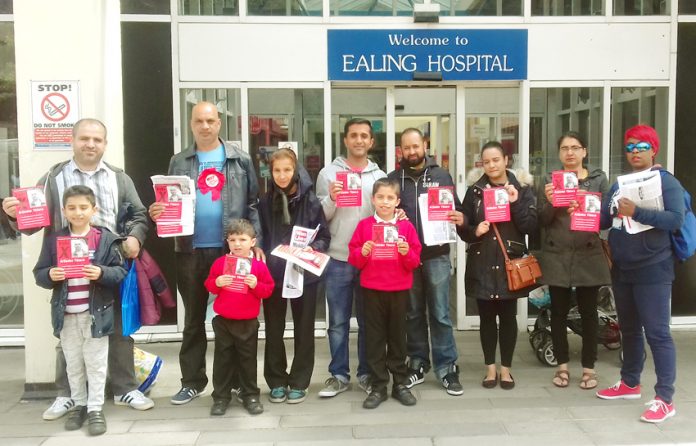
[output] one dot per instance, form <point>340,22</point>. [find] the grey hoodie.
<point>342,221</point>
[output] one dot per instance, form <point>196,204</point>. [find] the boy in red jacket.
<point>386,278</point>
<point>236,325</point>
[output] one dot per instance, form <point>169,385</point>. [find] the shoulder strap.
<point>500,242</point>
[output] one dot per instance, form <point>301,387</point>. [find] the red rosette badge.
<point>210,180</point>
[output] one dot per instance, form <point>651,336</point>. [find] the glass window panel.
<point>447,7</point>
<point>552,117</point>
<point>145,7</point>
<point>349,103</point>
<point>229,107</point>
<point>632,106</point>
<point>567,7</point>
<point>5,6</point>
<point>687,7</point>
<point>11,292</point>
<point>285,7</point>
<point>208,7</point>
<point>641,7</point>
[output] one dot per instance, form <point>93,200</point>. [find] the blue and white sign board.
<point>396,54</point>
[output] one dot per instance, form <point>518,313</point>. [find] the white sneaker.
<point>60,407</point>
<point>134,399</point>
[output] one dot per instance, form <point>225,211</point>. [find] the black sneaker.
<point>374,399</point>
<point>451,382</point>
<point>253,405</point>
<point>219,408</point>
<point>403,395</point>
<point>76,418</point>
<point>96,423</point>
<point>415,376</point>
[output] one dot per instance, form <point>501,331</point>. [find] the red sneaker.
<point>658,411</point>
<point>620,391</point>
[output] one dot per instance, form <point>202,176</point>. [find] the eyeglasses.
<point>571,148</point>
<point>639,146</point>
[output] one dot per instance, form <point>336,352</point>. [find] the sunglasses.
<point>640,146</point>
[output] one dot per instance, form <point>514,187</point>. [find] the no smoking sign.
<point>55,109</point>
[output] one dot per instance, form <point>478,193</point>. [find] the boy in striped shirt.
<point>82,308</point>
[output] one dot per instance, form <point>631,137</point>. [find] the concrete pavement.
<point>534,413</point>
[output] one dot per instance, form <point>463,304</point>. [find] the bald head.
<point>205,125</point>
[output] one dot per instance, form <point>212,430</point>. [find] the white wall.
<point>66,40</point>
<point>297,52</point>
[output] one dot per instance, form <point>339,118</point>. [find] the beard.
<point>412,164</point>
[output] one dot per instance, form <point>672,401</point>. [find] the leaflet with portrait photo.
<point>565,187</point>
<point>385,237</point>
<point>178,194</point>
<point>435,232</point>
<point>293,279</point>
<point>72,255</point>
<point>239,268</point>
<point>645,190</point>
<point>496,204</point>
<point>586,216</point>
<point>440,203</point>
<point>32,211</point>
<point>351,192</point>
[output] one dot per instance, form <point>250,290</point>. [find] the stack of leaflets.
<point>32,211</point>
<point>645,190</point>
<point>300,257</point>
<point>178,194</point>
<point>434,207</point>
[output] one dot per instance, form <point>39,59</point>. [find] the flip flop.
<point>563,376</point>
<point>588,381</point>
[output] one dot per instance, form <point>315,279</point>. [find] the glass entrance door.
<point>433,112</point>
<point>456,122</point>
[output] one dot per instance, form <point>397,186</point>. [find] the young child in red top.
<point>236,325</point>
<point>386,284</point>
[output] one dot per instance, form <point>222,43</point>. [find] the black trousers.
<point>234,363</point>
<point>191,271</point>
<point>385,336</point>
<point>587,306</point>
<point>275,358</point>
<point>491,331</point>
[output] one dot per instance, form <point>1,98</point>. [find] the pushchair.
<point>540,337</point>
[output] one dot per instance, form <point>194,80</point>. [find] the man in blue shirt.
<point>226,188</point>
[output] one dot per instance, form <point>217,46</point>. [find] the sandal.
<point>588,380</point>
<point>563,377</point>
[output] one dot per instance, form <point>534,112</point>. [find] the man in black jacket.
<point>114,190</point>
<point>431,279</point>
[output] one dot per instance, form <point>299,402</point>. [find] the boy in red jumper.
<point>385,282</point>
<point>236,325</point>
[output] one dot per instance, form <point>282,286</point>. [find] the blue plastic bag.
<point>130,302</point>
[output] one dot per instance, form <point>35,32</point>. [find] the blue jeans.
<point>645,308</point>
<point>431,285</point>
<point>342,284</point>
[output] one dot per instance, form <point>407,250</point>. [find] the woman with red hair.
<point>642,276</point>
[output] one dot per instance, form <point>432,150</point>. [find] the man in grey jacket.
<point>226,188</point>
<point>115,193</point>
<point>358,139</point>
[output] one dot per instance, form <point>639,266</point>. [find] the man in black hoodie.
<point>431,280</point>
